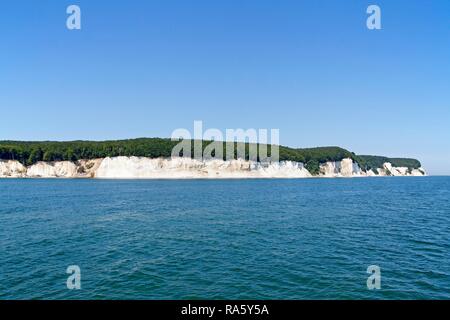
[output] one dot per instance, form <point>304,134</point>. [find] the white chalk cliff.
<point>11,168</point>
<point>179,168</point>
<point>344,168</point>
<point>186,168</point>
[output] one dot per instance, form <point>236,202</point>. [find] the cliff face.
<point>344,168</point>
<point>11,168</point>
<point>348,168</point>
<point>134,167</point>
<point>65,169</point>
<point>178,168</point>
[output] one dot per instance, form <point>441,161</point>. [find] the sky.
<point>311,69</point>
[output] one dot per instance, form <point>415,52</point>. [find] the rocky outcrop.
<point>389,170</point>
<point>344,168</point>
<point>348,168</point>
<point>179,168</point>
<point>59,169</point>
<point>12,169</point>
<point>88,168</point>
<point>186,168</point>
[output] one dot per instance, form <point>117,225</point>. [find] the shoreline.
<point>213,178</point>
<point>191,169</point>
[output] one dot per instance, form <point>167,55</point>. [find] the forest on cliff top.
<point>30,152</point>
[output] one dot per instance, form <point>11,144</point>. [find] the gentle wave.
<point>225,239</point>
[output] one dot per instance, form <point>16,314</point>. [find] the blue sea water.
<point>225,239</point>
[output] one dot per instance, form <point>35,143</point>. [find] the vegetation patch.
<point>372,162</point>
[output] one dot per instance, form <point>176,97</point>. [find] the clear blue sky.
<point>310,68</point>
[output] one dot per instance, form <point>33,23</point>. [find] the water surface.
<point>225,239</point>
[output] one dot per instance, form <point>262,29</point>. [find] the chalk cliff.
<point>64,169</point>
<point>12,169</point>
<point>186,168</point>
<point>138,167</point>
<point>344,168</point>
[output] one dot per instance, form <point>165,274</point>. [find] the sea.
<point>360,238</point>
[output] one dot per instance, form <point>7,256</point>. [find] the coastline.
<point>187,169</point>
